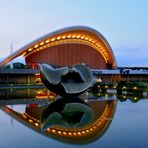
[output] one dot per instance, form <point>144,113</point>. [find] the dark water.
<point>126,126</point>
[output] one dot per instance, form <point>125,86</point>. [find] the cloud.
<point>125,50</point>
<point>127,56</point>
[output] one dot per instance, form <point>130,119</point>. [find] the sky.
<point>123,23</point>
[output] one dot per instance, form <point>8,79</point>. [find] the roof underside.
<point>76,34</point>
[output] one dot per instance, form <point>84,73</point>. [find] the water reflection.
<point>71,120</point>
<point>67,112</point>
<point>122,91</point>
<point>26,93</point>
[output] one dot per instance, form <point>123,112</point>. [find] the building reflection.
<point>132,98</point>
<point>71,120</point>
<point>42,94</point>
<point>80,122</point>
<point>26,93</point>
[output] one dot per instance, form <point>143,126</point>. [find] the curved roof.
<point>76,34</point>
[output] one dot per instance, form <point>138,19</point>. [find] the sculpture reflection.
<point>82,123</point>
<point>66,112</point>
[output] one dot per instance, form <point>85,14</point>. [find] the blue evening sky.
<point>123,23</point>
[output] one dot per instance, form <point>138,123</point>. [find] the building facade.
<point>68,46</point>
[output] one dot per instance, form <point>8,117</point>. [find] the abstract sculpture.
<point>66,81</point>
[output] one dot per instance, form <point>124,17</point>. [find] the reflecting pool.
<point>39,118</point>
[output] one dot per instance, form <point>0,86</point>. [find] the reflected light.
<point>85,134</point>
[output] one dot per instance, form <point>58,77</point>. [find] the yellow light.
<point>135,87</point>
<point>98,86</point>
<point>64,133</point>
<point>78,36</point>
<point>30,49</point>
<point>99,80</point>
<point>31,121</point>
<point>79,133</point>
<point>82,37</point>
<point>53,39</point>
<point>86,38</point>
<point>53,130</point>
<point>47,41</point>
<point>69,36</point>
<point>73,36</point>
<point>135,98</point>
<point>36,124</point>
<point>75,133</point>
<point>106,86</point>
<point>59,132</point>
<point>63,37</point>
<point>90,40</point>
<point>35,46</point>
<point>124,87</point>
<point>42,43</point>
<point>69,133</point>
<point>58,38</point>
<point>37,74</point>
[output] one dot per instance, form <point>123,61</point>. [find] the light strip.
<point>75,132</point>
<point>80,38</point>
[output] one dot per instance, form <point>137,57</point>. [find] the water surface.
<point>126,128</point>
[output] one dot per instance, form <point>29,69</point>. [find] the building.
<point>70,46</point>
<point>66,47</point>
<point>126,74</point>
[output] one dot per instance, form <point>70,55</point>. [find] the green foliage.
<point>16,65</point>
<point>19,66</point>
